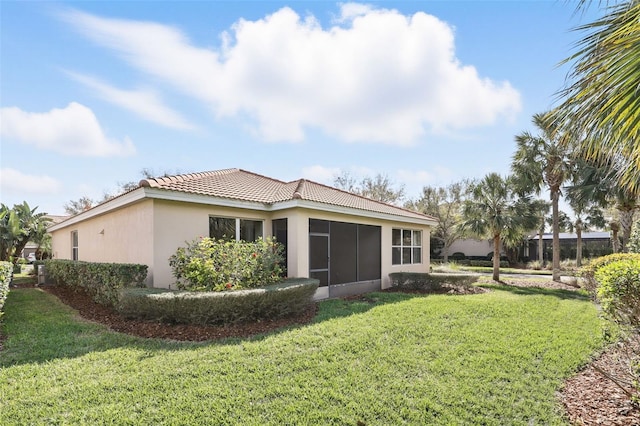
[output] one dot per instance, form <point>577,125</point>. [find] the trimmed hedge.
<point>102,281</point>
<point>6,273</point>
<point>430,282</point>
<point>488,263</point>
<point>290,297</point>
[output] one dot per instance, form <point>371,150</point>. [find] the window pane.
<point>396,237</point>
<point>406,255</point>
<point>319,226</point>
<point>250,230</point>
<point>395,256</point>
<point>417,255</point>
<point>417,238</point>
<point>74,237</point>
<point>406,237</point>
<point>222,228</point>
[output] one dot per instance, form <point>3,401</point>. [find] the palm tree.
<point>493,209</point>
<point>541,209</point>
<point>9,231</point>
<point>596,183</point>
<point>544,160</point>
<point>587,216</point>
<point>601,103</point>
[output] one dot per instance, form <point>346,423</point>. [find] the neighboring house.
<point>350,243</point>
<point>594,244</point>
<point>472,247</point>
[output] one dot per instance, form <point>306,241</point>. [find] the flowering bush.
<point>206,264</point>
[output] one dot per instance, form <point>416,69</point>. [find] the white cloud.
<point>379,76</point>
<point>144,103</point>
<point>73,130</point>
<point>16,182</point>
<point>320,174</point>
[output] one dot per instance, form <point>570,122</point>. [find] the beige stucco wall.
<point>124,235</point>
<point>176,223</point>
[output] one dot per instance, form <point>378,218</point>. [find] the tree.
<point>587,216</point>
<point>493,209</point>
<point>596,182</point>
<point>84,203</point>
<point>17,227</point>
<point>601,101</point>
<point>634,241</point>
<point>541,209</point>
<point>9,231</point>
<point>544,160</point>
<point>74,207</point>
<point>379,187</point>
<point>445,204</point>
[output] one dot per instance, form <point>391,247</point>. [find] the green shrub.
<point>102,281</point>
<point>587,272</point>
<point>428,282</point>
<point>619,290</point>
<point>287,298</point>
<point>488,263</point>
<point>210,265</point>
<point>6,273</point>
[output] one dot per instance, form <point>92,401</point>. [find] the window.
<point>229,229</point>
<point>74,245</point>
<point>406,247</point>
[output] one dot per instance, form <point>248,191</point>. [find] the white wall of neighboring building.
<point>472,247</point>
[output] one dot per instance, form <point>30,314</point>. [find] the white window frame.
<point>74,245</point>
<point>237,225</point>
<point>416,235</point>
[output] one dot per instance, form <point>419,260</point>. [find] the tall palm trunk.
<point>626,223</point>
<point>541,246</point>
<point>615,242</point>
<point>496,257</point>
<point>555,196</point>
<point>579,245</point>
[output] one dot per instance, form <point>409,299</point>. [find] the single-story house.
<point>350,243</point>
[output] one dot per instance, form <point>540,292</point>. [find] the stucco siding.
<point>177,223</point>
<point>121,236</point>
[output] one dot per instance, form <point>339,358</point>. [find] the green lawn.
<point>493,359</point>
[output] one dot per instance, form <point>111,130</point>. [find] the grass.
<point>496,358</point>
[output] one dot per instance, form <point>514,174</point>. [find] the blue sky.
<point>427,93</point>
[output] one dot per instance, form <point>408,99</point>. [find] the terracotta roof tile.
<point>237,184</point>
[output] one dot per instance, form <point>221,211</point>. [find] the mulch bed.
<point>589,397</point>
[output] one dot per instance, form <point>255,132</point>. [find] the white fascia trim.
<point>115,203</point>
<point>313,205</point>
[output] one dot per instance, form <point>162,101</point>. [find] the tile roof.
<point>237,184</point>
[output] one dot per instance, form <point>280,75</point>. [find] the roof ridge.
<point>368,199</point>
<point>155,182</point>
